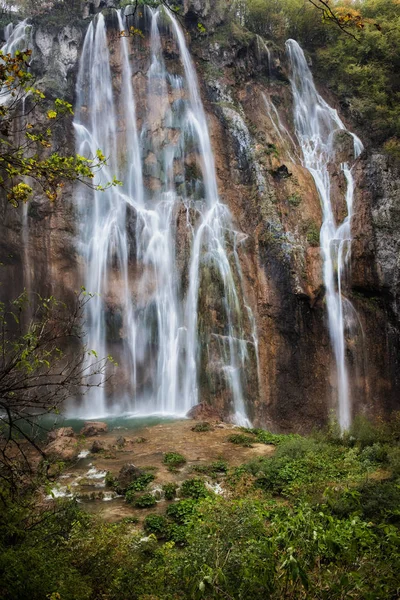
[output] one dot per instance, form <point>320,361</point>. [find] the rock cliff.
<point>275,208</point>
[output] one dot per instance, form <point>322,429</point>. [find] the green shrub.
<point>202,427</point>
<point>169,490</point>
<point>156,524</point>
<point>193,488</point>
<point>144,501</point>
<point>312,234</point>
<point>141,482</point>
<point>295,200</point>
<point>241,440</point>
<point>380,501</point>
<point>394,461</point>
<point>213,469</point>
<point>110,480</point>
<point>366,433</point>
<point>181,511</point>
<point>377,453</point>
<point>174,460</point>
<point>177,533</point>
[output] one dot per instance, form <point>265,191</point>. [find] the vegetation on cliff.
<point>360,62</point>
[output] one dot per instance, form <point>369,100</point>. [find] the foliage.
<point>181,511</point>
<point>37,376</point>
<point>173,460</point>
<point>354,46</point>
<point>169,490</point>
<point>156,524</point>
<point>141,482</point>
<point>144,501</point>
<point>241,440</point>
<point>295,200</point>
<point>312,234</point>
<point>213,469</point>
<point>110,480</point>
<point>26,129</point>
<point>193,488</point>
<point>324,524</point>
<point>202,427</point>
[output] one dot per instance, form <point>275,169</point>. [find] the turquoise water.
<point>130,423</point>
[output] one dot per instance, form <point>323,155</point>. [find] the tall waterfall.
<point>316,123</point>
<point>152,249</point>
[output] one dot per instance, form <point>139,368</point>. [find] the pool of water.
<point>123,422</point>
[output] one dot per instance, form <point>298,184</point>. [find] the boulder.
<point>63,448</point>
<point>343,146</point>
<point>97,446</point>
<point>204,412</point>
<point>127,475</point>
<point>61,432</point>
<point>92,428</point>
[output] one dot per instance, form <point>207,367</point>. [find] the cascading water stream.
<point>315,123</point>
<point>163,349</point>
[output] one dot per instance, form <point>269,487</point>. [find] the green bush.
<point>312,234</point>
<point>144,501</point>
<point>181,511</point>
<point>141,482</point>
<point>213,469</point>
<point>295,200</point>
<point>202,427</point>
<point>193,488</point>
<point>241,440</point>
<point>156,524</point>
<point>394,461</point>
<point>169,490</point>
<point>110,480</point>
<point>174,460</point>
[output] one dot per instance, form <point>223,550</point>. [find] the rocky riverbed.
<point>101,460</point>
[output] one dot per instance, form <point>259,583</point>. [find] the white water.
<point>315,123</point>
<point>158,300</point>
<point>16,38</point>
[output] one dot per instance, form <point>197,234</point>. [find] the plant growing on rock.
<point>194,488</point>
<point>174,460</point>
<point>141,483</point>
<point>169,490</point>
<point>144,501</point>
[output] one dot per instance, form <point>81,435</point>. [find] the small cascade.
<point>316,123</point>
<point>16,38</point>
<point>163,240</point>
<point>283,135</point>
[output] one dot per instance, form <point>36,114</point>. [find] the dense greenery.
<point>319,519</point>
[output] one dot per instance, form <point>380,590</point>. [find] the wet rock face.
<point>128,474</point>
<point>275,210</point>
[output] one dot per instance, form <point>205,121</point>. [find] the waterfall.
<point>16,38</point>
<point>162,238</point>
<point>315,124</point>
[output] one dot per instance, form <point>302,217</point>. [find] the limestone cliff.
<point>275,207</point>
